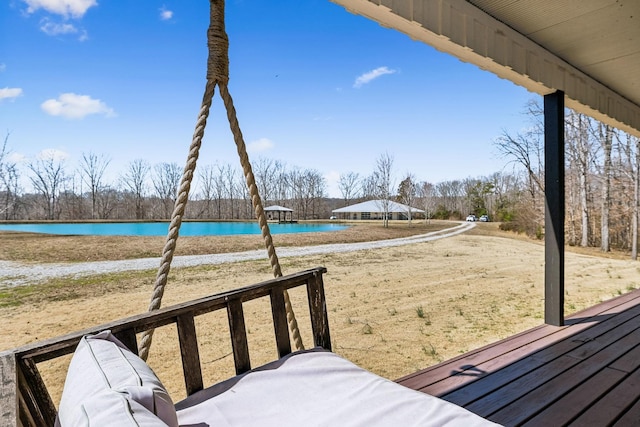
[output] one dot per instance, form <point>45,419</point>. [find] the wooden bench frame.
<point>25,401</point>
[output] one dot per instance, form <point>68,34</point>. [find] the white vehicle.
<point>472,218</point>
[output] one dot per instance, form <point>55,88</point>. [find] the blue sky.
<point>314,86</point>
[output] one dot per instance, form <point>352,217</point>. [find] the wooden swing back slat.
<point>24,394</point>
<point>190,353</point>
<point>280,322</point>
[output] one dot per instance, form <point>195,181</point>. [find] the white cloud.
<point>165,14</point>
<point>66,8</point>
<point>52,154</point>
<point>53,28</point>
<point>260,145</point>
<point>16,158</point>
<point>73,106</point>
<point>372,75</point>
<point>10,93</point>
<point>3,67</point>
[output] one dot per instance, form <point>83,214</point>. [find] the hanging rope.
<point>259,210</point>
<point>217,74</point>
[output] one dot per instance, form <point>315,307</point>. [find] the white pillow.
<point>105,378</point>
<point>108,408</point>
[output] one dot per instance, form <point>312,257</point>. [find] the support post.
<point>554,208</point>
<point>8,390</point>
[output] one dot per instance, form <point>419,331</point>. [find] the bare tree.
<point>3,178</point>
<point>9,179</point>
<point>134,181</point>
<point>206,177</point>
<point>427,196</point>
<point>166,179</point>
<point>265,172</point>
<point>48,178</point>
<point>525,149</point>
<point>92,167</point>
<point>295,178</point>
<point>506,193</point>
<point>632,151</point>
<point>368,187</point>
<point>71,200</point>
<point>636,201</point>
<point>282,190</point>
<point>349,185</point>
<point>606,139</point>
<point>232,182</point>
<point>308,187</point>
<point>318,189</point>
<point>407,193</point>
<point>579,146</point>
<point>384,183</point>
<point>108,202</point>
<point>626,178</point>
<point>12,190</point>
<point>450,193</point>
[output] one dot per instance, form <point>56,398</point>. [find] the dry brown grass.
<point>391,310</point>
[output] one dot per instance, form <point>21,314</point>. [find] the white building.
<point>375,209</point>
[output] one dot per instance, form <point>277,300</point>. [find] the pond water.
<point>211,228</point>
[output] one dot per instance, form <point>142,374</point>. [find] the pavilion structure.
<point>281,212</point>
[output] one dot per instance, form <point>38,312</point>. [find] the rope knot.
<point>218,43</point>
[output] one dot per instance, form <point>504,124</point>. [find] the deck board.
<point>585,373</point>
<point>630,418</point>
<point>565,409</point>
<point>611,405</point>
<point>541,396</point>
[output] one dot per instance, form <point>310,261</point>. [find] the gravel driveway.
<point>15,274</point>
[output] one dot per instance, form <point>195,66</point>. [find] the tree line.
<point>602,181</point>
<point>602,187</point>
<point>148,192</point>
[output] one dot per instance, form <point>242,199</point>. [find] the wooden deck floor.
<point>584,374</point>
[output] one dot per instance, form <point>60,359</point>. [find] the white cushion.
<point>318,388</point>
<point>105,378</point>
<point>108,408</point>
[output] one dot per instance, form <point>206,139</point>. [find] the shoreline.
<point>13,274</point>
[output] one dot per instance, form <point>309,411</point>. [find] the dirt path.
<point>15,273</point>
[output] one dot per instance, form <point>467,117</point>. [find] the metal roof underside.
<point>590,49</point>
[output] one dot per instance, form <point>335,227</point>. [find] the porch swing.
<point>109,383</point>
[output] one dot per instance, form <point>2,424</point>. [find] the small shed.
<point>281,213</point>
<point>375,209</point>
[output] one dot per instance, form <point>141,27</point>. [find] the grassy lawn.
<point>391,310</point>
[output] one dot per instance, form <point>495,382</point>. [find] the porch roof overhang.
<point>589,49</point>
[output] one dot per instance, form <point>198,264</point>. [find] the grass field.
<point>392,310</point>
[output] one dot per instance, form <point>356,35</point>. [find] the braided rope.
<point>259,209</point>
<point>178,212</point>
<point>217,74</point>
